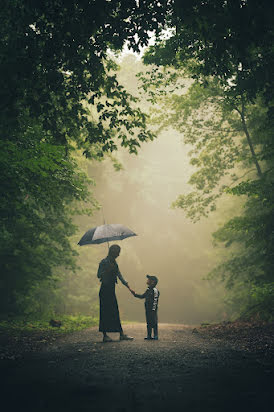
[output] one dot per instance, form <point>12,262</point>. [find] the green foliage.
<point>225,160</point>
<point>62,52</point>
<point>226,115</point>
<point>59,94</point>
<point>211,123</point>
<point>40,184</point>
<point>68,324</point>
<point>250,263</point>
<point>228,39</point>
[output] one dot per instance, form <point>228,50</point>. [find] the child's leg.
<point>149,330</point>
<point>155,328</point>
<point>149,327</point>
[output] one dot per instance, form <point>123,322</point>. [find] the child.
<point>151,297</point>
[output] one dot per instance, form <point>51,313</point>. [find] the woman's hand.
<point>132,291</point>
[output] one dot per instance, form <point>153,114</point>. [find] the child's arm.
<point>140,296</point>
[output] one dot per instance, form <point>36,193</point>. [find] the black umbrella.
<point>105,233</point>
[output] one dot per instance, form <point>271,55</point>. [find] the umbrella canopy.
<point>105,233</point>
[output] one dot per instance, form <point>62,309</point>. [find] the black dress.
<point>108,272</point>
<point>109,311</point>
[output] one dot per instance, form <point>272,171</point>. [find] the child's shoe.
<point>148,338</point>
<point>155,338</point>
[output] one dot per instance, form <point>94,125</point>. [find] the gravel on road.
<point>182,371</point>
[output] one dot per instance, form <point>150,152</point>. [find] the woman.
<point>108,272</point>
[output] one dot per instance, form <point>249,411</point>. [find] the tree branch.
<point>248,137</point>
<point>241,177</point>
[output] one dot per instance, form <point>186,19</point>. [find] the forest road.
<point>182,371</point>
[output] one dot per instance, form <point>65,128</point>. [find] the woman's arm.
<point>124,282</point>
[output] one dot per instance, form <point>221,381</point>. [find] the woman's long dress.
<point>109,312</point>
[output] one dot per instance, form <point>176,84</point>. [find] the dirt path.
<point>182,371</point>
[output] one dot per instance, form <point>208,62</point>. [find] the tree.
<point>54,64</point>
<point>226,39</point>
<point>57,56</point>
<point>40,186</point>
<point>227,116</point>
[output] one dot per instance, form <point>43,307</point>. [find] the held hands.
<point>132,291</point>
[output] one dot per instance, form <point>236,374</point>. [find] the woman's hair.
<point>114,249</point>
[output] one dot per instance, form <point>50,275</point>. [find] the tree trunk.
<point>254,157</point>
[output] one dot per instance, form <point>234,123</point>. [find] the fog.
<point>168,245</point>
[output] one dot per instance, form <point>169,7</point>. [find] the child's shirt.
<point>151,297</point>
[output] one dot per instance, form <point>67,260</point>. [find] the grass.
<point>69,323</point>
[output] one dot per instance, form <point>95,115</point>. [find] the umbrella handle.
<point>104,222</point>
